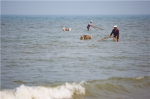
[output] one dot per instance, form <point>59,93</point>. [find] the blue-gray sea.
<point>41,61</point>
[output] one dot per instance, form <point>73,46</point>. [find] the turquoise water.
<point>41,61</point>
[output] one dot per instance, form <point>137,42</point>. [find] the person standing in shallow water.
<point>90,25</point>
<point>115,32</point>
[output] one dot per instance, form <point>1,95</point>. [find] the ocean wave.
<point>65,91</point>
<point>112,88</point>
<point>119,87</point>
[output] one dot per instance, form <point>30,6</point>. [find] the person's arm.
<point>92,25</point>
<point>111,33</point>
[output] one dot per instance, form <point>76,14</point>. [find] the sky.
<point>77,7</point>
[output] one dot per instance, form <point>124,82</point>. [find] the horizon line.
<point>74,14</point>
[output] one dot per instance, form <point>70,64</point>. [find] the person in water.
<point>90,25</point>
<point>115,32</point>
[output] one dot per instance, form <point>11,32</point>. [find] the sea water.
<point>41,61</point>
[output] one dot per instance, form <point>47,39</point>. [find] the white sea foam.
<point>138,78</point>
<point>65,91</point>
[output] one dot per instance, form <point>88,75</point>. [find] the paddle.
<point>106,37</point>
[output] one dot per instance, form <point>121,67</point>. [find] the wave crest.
<point>66,91</point>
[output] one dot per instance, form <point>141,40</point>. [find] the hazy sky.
<point>74,7</point>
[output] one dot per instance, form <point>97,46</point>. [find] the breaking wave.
<point>65,91</point>
<point>112,88</point>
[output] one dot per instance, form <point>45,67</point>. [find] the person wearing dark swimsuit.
<point>115,32</point>
<point>90,25</point>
